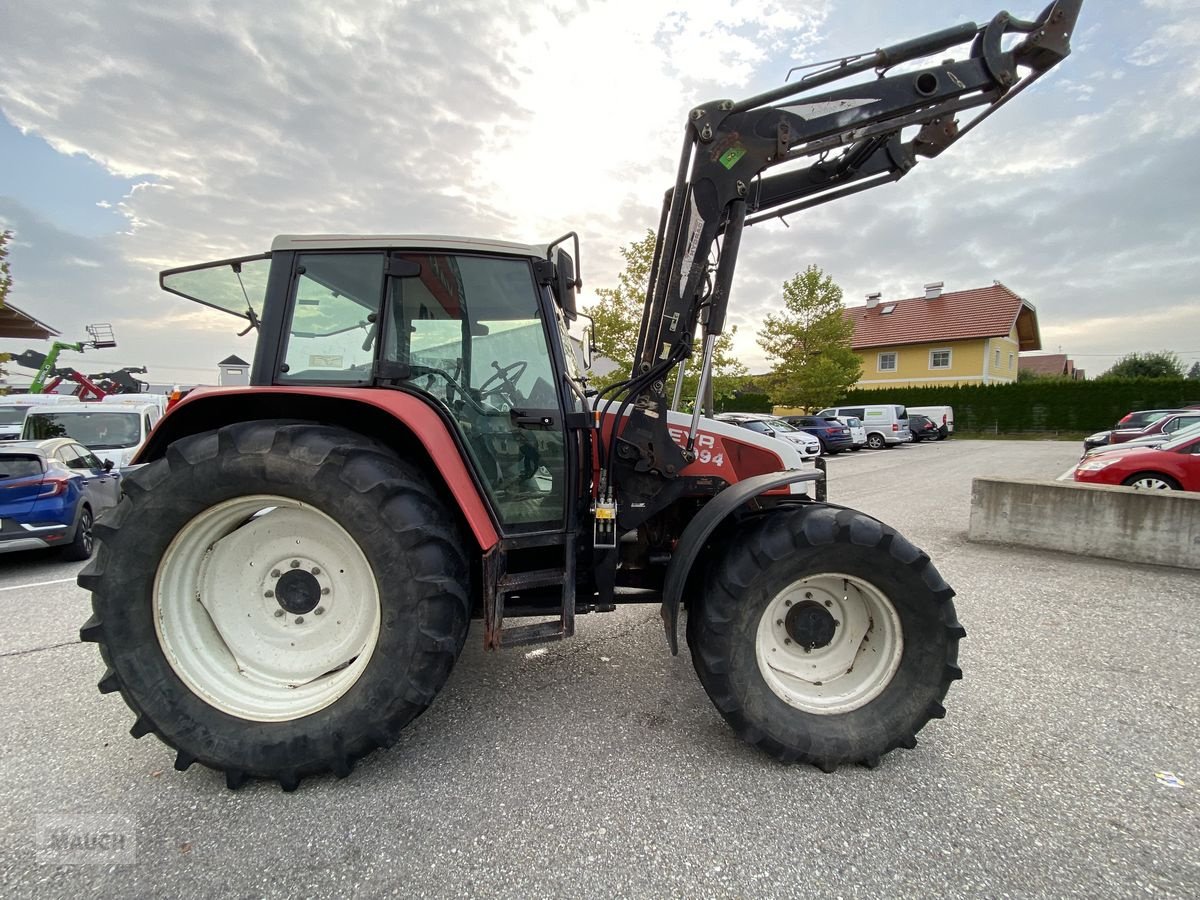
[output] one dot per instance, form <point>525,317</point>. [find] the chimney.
<point>933,290</point>
<point>873,299</point>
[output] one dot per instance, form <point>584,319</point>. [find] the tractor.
<point>293,567</point>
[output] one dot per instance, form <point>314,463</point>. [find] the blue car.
<point>51,492</point>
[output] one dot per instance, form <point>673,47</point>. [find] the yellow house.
<point>960,337</point>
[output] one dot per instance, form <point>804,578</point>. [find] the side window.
<point>73,456</point>
<point>333,327</point>
<point>857,411</point>
<point>87,459</point>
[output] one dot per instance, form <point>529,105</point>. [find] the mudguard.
<point>694,537</point>
<point>210,408</point>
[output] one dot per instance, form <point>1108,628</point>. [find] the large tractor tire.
<point>824,637</point>
<point>276,600</point>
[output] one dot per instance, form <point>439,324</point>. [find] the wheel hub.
<point>810,625</point>
<point>298,592</point>
<point>829,643</point>
<point>288,609</point>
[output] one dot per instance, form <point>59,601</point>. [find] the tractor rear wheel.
<point>276,599</point>
<point>823,636</point>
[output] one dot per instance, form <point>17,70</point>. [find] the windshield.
<point>12,415</point>
<point>235,286</point>
<point>780,425</point>
<point>95,430</point>
<point>1184,436</point>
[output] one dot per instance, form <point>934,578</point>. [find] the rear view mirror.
<point>108,465</point>
<point>565,285</point>
<point>588,346</point>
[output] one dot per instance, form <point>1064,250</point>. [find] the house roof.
<point>15,323</point>
<point>233,361</point>
<point>1048,364</point>
<point>991,311</point>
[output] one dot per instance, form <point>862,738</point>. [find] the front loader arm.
<point>829,144</point>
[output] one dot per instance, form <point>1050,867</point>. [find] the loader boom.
<point>833,143</point>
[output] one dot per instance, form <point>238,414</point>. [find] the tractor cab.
<point>471,326</point>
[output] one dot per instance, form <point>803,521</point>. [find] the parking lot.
<point>1068,764</point>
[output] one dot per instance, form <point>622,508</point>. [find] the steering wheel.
<point>503,380</point>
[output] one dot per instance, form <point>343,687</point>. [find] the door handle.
<point>522,419</point>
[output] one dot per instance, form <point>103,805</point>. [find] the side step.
<point>498,585</point>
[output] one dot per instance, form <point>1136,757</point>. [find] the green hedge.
<point>1041,405</point>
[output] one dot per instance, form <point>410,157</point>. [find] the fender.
<point>383,414</point>
<point>696,534</point>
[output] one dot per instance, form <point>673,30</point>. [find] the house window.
<point>233,371</point>
<point>996,364</point>
<point>939,359</point>
<point>1010,360</point>
<point>887,362</point>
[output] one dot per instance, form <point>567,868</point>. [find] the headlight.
<point>1094,465</point>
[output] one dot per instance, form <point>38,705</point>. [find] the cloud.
<point>516,120</point>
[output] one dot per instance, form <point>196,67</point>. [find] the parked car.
<point>922,428</point>
<point>1174,465</point>
<point>834,436</point>
<point>1168,424</point>
<point>942,416</point>
<point>809,446</point>
<point>112,431</point>
<point>14,407</point>
<point>858,434</point>
<point>1153,440</point>
<point>886,423</point>
<point>1137,419</point>
<point>51,492</point>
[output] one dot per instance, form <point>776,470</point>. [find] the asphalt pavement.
<point>1068,764</point>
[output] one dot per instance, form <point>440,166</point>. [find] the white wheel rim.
<point>829,643</point>
<point>234,608</point>
<point>1151,484</point>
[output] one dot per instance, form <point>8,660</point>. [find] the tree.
<point>618,318</point>
<point>1163,364</point>
<point>808,343</point>
<point>1194,372</point>
<point>5,285</point>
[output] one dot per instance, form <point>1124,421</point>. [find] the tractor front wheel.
<point>825,637</point>
<point>276,600</point>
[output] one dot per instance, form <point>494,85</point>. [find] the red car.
<point>1166,424</point>
<point>1174,466</point>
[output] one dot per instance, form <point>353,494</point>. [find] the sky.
<point>136,136</point>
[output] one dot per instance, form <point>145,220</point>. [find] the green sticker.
<point>731,156</point>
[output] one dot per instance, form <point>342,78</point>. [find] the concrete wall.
<point>1159,527</point>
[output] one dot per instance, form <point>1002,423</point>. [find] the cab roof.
<point>403,242</point>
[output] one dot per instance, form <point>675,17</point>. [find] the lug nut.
<point>779,621</point>
<point>316,571</point>
<point>324,591</point>
<point>299,620</point>
<point>278,613</point>
<point>274,573</point>
<point>829,603</point>
<point>268,593</point>
<point>787,602</point>
<point>295,563</point>
<point>319,611</point>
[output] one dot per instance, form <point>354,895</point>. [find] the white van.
<point>111,431</point>
<point>14,407</point>
<point>158,401</point>
<point>886,423</point>
<point>941,416</point>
